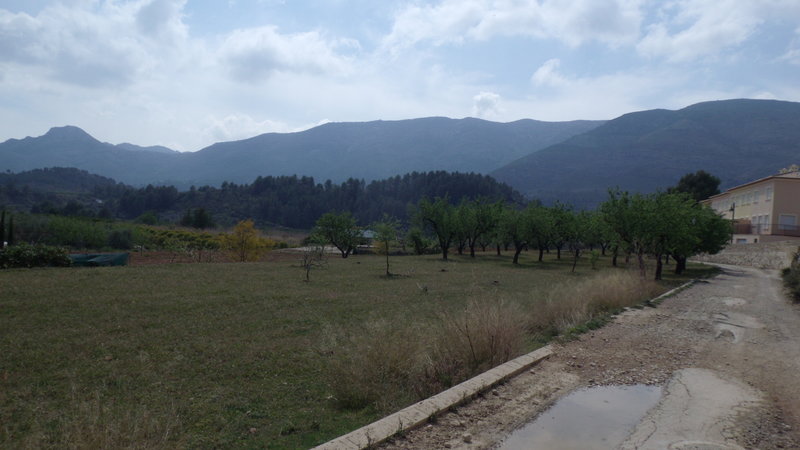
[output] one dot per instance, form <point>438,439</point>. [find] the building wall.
<point>761,206</point>
<point>787,199</point>
<point>754,203</point>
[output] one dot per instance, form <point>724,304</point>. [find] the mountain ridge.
<point>336,151</point>
<point>737,140</point>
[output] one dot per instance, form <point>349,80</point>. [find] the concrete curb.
<point>671,292</point>
<point>420,412</point>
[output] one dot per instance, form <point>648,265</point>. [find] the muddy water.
<point>593,418</point>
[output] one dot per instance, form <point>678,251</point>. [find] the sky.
<point>188,73</point>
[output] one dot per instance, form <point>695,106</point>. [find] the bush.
<point>791,278</point>
<point>121,239</point>
<point>26,255</point>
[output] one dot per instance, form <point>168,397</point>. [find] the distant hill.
<point>335,151</point>
<point>736,140</point>
<point>72,147</point>
<point>379,149</point>
<point>58,180</point>
<point>56,186</point>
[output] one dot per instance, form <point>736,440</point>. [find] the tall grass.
<point>569,305</point>
<point>384,365</point>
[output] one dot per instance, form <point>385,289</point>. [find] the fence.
<point>775,229</point>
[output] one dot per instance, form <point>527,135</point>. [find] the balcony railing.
<point>775,229</point>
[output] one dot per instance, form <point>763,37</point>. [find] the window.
<point>756,194</point>
<point>768,193</point>
<point>787,222</point>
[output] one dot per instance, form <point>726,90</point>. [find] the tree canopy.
<point>699,185</point>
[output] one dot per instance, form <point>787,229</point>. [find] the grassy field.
<point>220,355</point>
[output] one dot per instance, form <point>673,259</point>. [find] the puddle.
<point>594,418</point>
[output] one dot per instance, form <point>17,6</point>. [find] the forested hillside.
<point>289,201</point>
<point>735,140</point>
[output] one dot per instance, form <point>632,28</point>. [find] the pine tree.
<point>10,231</point>
<point>2,228</point>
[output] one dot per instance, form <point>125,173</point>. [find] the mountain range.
<point>574,162</point>
<point>333,151</point>
<point>735,140</point>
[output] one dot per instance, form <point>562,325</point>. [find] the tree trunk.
<point>517,251</point>
<point>498,249</point>
<point>472,250</point>
<point>541,254</point>
<point>558,252</point>
<point>575,260</point>
<point>659,267</point>
<point>388,274</point>
<point>642,269</point>
<point>680,264</point>
<point>614,256</point>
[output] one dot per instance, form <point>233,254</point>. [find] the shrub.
<point>791,278</point>
<point>121,239</point>
<point>26,255</point>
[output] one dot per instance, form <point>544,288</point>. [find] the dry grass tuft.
<point>386,365</point>
<point>569,305</point>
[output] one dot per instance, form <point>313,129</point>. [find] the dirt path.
<point>736,332</point>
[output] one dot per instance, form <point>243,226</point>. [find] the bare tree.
<point>313,257</point>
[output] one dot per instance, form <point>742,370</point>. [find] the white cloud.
<point>613,22</point>
<point>240,126</point>
<point>256,53</point>
<point>695,29</point>
<point>93,44</point>
<point>792,54</point>
<point>162,19</point>
<point>560,96</point>
<point>547,74</point>
<point>485,105</point>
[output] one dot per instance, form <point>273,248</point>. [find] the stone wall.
<point>767,255</point>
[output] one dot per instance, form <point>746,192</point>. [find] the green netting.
<point>98,259</point>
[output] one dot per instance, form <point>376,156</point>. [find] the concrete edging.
<point>420,412</point>
<point>671,292</point>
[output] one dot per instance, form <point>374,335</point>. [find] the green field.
<point>219,355</point>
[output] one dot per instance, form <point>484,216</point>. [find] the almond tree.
<point>440,217</point>
<point>386,234</point>
<point>340,230</point>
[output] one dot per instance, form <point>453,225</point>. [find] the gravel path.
<point>737,328</point>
